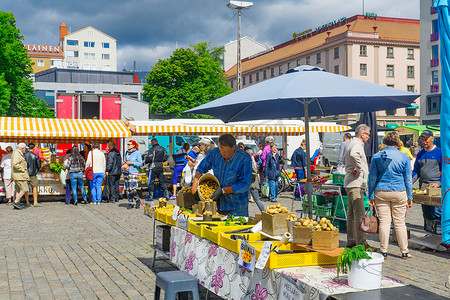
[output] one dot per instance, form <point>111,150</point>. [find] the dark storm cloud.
<point>148,30</point>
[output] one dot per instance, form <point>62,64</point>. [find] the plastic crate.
<point>305,207</point>
<point>214,234</point>
<point>307,258</point>
<point>341,210</point>
<point>338,179</point>
<point>235,245</point>
<point>197,227</point>
<point>324,211</point>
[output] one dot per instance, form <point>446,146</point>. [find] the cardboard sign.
<point>264,256</point>
<point>182,222</point>
<point>289,290</point>
<point>247,256</point>
<point>175,212</point>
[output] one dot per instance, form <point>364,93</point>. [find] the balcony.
<point>434,88</point>
<point>434,37</point>
<point>433,10</point>
<point>434,62</point>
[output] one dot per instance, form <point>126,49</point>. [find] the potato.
<point>305,223</point>
<point>298,224</point>
<point>324,226</point>
<point>314,223</point>
<point>301,220</point>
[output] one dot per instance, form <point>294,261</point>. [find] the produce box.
<point>254,220</point>
<point>274,224</point>
<point>234,245</point>
<point>324,211</point>
<point>338,179</point>
<point>163,237</point>
<point>302,235</point>
<point>433,191</point>
<point>339,210</point>
<point>214,234</point>
<point>299,258</point>
<point>427,200</point>
<point>325,240</point>
<point>187,199</point>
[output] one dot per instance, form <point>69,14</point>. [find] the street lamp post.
<point>239,5</point>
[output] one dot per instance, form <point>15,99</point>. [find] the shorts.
<point>21,185</point>
<point>33,181</point>
<point>9,188</point>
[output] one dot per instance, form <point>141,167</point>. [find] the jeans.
<point>255,196</point>
<point>156,174</point>
<point>300,174</point>
<point>273,187</point>
<point>68,191</point>
<point>113,183</point>
<point>76,180</point>
<point>96,187</point>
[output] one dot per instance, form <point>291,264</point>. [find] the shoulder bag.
<point>368,223</point>
<point>89,172</point>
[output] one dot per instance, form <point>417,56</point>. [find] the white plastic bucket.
<point>366,273</point>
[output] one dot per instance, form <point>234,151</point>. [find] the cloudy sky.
<point>149,30</point>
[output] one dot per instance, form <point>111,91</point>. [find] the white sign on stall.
<point>183,221</point>
<point>264,256</point>
<point>289,290</point>
<point>175,212</point>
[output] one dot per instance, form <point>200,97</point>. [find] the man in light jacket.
<point>19,173</point>
<point>355,182</point>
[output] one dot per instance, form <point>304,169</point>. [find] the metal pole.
<point>239,75</point>
<point>308,159</point>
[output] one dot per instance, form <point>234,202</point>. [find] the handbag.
<point>89,172</point>
<point>265,189</point>
<point>368,223</point>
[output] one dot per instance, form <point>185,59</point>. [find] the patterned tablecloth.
<point>217,269</point>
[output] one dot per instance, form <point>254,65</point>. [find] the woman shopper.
<point>132,160</point>
<point>272,171</point>
<point>75,165</point>
<point>96,160</point>
<point>8,182</point>
<point>390,191</point>
<point>254,187</point>
<point>179,166</point>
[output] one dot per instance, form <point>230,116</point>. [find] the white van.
<point>331,144</point>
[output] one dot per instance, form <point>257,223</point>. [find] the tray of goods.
<point>274,219</point>
<point>302,231</point>
<point>161,213</point>
<point>232,241</point>
<point>207,184</point>
<point>214,234</point>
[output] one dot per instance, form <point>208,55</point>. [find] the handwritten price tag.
<point>182,222</point>
<point>264,256</point>
<point>289,291</point>
<point>175,212</point>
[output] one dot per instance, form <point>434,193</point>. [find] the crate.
<point>325,240</point>
<point>302,235</point>
<point>299,259</point>
<point>274,224</point>
<point>235,245</point>
<point>163,237</point>
<point>341,210</point>
<point>324,211</point>
<point>214,234</point>
<point>305,208</point>
<point>197,227</point>
<point>338,179</point>
<point>187,199</point>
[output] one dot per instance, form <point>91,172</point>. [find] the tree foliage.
<point>16,88</point>
<point>189,78</point>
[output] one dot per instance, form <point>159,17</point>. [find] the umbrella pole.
<point>308,158</point>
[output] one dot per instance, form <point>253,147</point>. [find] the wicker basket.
<point>206,177</point>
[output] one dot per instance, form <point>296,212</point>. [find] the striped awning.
<point>156,128</point>
<point>60,130</point>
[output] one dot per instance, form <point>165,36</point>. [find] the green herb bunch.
<point>55,167</point>
<point>348,256</point>
<point>239,221</point>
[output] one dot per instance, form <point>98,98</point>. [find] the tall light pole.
<point>239,5</point>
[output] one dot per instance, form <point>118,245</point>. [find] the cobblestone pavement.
<point>60,251</point>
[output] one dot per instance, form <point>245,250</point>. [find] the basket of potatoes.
<point>302,231</point>
<point>274,219</point>
<point>207,184</point>
<point>290,222</point>
<point>325,236</point>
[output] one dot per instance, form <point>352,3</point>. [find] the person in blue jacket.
<point>273,171</point>
<point>298,161</point>
<point>132,160</point>
<point>233,168</point>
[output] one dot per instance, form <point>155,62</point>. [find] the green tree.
<point>17,95</point>
<point>189,78</point>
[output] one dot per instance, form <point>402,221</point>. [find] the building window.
<point>410,111</point>
<point>336,52</point>
<point>433,105</point>
<point>289,66</point>
<point>390,52</point>
<point>72,42</point>
<point>434,51</point>
<point>390,70</point>
<point>89,44</point>
<point>89,55</point>
<point>336,69</point>
<point>250,78</point>
<point>410,53</point>
<point>434,26</point>
<point>298,62</point>
<point>318,58</point>
<point>362,50</point>
<point>308,60</point>
<point>105,45</point>
<point>257,76</point>
<point>280,69</point>
<point>40,63</point>
<point>243,81</point>
<point>272,72</point>
<point>105,56</point>
<point>410,88</point>
<point>410,71</point>
<point>232,84</point>
<point>435,77</point>
<point>264,75</point>
<point>391,112</point>
<point>363,69</point>
<point>70,53</point>
<point>390,85</point>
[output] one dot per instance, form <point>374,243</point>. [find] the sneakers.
<point>138,204</point>
<point>17,206</point>
<point>173,197</point>
<point>130,205</point>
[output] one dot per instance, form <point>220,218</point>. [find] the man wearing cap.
<point>428,170</point>
<point>34,164</point>
<point>157,155</point>
<point>19,173</point>
<point>233,168</point>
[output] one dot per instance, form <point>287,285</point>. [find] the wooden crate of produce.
<point>274,224</point>
<point>325,240</point>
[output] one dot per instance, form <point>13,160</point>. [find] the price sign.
<point>264,256</point>
<point>289,290</point>
<point>175,212</point>
<point>247,256</point>
<point>182,222</point>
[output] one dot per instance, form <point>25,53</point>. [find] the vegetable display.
<point>55,167</point>
<point>276,209</point>
<point>348,256</point>
<point>207,188</point>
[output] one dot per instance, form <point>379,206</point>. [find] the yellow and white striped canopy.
<point>60,130</point>
<point>155,128</point>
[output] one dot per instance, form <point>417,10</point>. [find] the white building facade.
<point>249,47</point>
